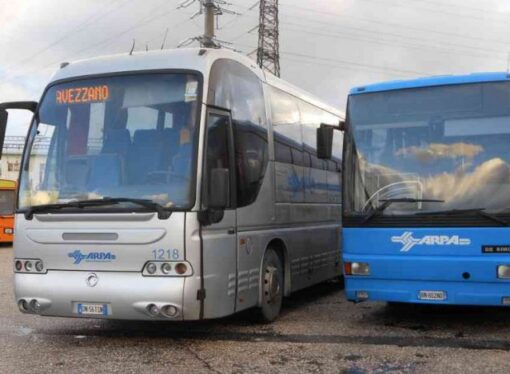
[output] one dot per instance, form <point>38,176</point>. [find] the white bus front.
<point>109,174</point>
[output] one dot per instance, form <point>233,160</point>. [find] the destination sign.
<point>83,95</point>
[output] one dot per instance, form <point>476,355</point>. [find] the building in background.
<point>11,158</point>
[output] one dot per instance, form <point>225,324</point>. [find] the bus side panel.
<point>220,266</point>
<point>191,303</point>
<point>254,225</point>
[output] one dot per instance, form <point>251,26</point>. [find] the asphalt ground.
<point>318,332</point>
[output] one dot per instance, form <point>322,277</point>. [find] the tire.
<point>271,284</point>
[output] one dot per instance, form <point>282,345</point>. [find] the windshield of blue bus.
<point>127,136</point>
<point>447,143</point>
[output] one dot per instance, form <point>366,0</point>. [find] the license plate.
<point>432,295</point>
<point>92,309</point>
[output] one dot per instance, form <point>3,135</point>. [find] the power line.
<point>458,6</point>
<point>392,24</point>
<point>430,10</point>
<point>144,22</point>
<point>345,62</point>
<point>89,21</point>
<point>378,41</point>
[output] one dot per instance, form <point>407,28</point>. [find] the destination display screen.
<point>82,95</point>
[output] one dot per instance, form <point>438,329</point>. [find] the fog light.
<point>18,265</point>
<point>23,306</point>
<point>8,231</point>
<point>361,295</point>
<point>166,268</point>
<point>356,268</point>
<point>39,266</point>
<point>170,310</point>
<point>151,268</point>
<point>35,306</point>
<point>153,309</point>
<point>504,271</point>
<point>181,268</point>
<point>505,300</point>
<point>28,266</point>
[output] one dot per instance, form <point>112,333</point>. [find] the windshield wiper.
<point>386,203</point>
<point>480,211</point>
<point>149,204</point>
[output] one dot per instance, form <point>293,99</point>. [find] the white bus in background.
<point>177,185</point>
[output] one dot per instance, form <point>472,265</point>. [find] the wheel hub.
<point>271,284</point>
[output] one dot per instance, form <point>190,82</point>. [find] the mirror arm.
<point>22,105</point>
<point>339,127</point>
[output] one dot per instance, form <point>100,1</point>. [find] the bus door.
<point>219,236</point>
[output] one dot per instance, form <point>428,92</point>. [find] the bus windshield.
<point>7,202</point>
<point>450,144</point>
<point>126,136</point>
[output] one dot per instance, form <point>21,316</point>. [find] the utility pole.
<point>268,51</point>
<point>211,9</point>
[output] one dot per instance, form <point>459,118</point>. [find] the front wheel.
<point>271,286</point>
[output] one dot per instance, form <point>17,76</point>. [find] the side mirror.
<point>4,116</point>
<point>325,142</point>
<point>219,189</point>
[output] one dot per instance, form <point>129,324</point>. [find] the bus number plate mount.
<point>92,309</point>
<point>432,295</point>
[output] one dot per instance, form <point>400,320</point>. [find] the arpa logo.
<point>408,241</point>
<point>79,256</point>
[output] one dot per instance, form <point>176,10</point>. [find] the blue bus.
<point>426,191</point>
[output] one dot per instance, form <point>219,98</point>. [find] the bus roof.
<point>199,59</point>
<point>431,81</point>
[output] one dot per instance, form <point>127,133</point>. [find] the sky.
<point>327,46</point>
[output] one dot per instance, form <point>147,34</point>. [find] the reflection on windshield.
<point>126,136</point>
<point>410,144</point>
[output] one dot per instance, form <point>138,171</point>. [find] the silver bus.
<point>173,185</point>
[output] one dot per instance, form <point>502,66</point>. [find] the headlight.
<point>504,271</point>
<point>39,266</point>
<point>166,268</point>
<point>151,268</point>
<point>31,266</point>
<point>8,231</point>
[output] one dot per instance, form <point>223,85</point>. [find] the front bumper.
<point>127,294</point>
<point>408,291</point>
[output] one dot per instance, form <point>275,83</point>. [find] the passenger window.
<point>234,87</point>
<point>218,149</point>
<point>286,125</point>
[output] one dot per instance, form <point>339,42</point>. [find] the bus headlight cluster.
<point>32,266</point>
<point>356,268</point>
<point>167,269</point>
<point>504,271</point>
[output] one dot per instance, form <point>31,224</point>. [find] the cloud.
<point>436,151</point>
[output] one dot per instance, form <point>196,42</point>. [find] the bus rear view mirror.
<point>219,189</point>
<point>4,116</point>
<point>325,142</point>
